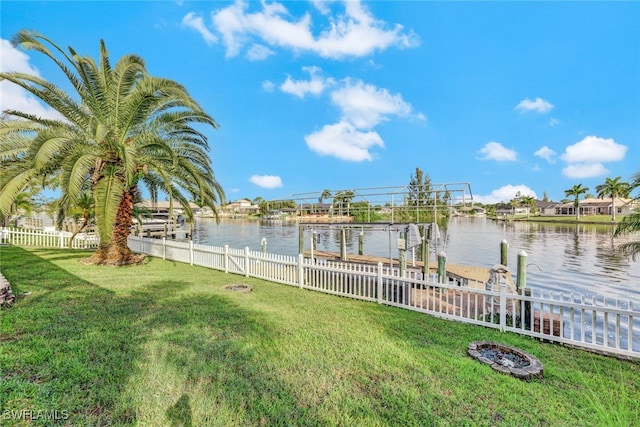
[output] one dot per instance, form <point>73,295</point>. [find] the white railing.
<point>47,239</point>
<point>605,326</point>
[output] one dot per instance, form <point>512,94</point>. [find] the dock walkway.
<point>469,275</point>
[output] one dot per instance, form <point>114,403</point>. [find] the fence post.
<point>60,237</point>
<point>504,249</point>
<point>503,305</point>
<point>379,282</point>
<point>164,247</point>
<point>442,270</point>
<point>226,258</point>
<point>301,270</point>
<point>191,252</point>
<point>246,261</point>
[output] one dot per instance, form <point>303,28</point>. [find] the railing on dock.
<point>600,325</point>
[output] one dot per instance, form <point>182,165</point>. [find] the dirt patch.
<point>237,287</point>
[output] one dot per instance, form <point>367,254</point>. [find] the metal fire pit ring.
<point>506,359</point>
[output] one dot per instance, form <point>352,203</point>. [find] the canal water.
<point>568,258</point>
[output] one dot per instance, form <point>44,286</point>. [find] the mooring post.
<point>343,245</point>
<point>442,261</point>
<point>361,243</point>
<point>521,284</point>
<point>314,243</point>
<point>504,246</point>
<point>402,247</point>
<point>521,279</point>
<point>425,253</point>
<point>300,240</point>
<point>263,244</point>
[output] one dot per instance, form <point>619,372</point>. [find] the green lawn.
<point>163,344</point>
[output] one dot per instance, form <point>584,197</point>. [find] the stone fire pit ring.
<point>506,359</point>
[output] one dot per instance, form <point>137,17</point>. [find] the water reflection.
<point>566,258</point>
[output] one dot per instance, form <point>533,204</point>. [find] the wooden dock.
<point>468,275</point>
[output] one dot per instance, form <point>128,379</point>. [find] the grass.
<point>162,344</point>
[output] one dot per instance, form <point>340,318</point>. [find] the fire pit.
<point>506,359</point>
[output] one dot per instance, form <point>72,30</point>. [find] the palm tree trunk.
<point>613,208</point>
<point>117,252</point>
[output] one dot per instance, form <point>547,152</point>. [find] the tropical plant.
<point>326,194</point>
<point>528,202</point>
<point>575,192</point>
<point>613,188</point>
<point>629,224</point>
<point>84,210</point>
<point>121,129</point>
<point>22,203</point>
<point>342,199</point>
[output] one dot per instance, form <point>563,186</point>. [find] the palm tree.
<point>121,129</point>
<point>22,203</point>
<point>575,192</point>
<point>84,209</point>
<point>325,195</point>
<point>529,202</point>
<point>629,224</point>
<point>613,188</point>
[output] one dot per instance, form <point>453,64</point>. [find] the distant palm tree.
<point>629,224</point>
<point>120,129</point>
<point>613,188</point>
<point>22,203</point>
<point>326,194</point>
<point>575,192</point>
<point>529,202</point>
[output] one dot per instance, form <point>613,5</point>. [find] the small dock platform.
<point>469,275</point>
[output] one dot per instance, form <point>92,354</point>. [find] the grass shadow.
<point>97,354</point>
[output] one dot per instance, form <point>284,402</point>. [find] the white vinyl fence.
<point>47,239</point>
<point>601,325</point>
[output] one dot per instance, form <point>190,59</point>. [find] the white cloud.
<point>268,86</point>
<point>496,151</point>
<point>546,153</point>
<point>196,22</point>
<point>584,170</point>
<point>353,33</point>
<point>553,122</point>
<point>585,158</point>
<point>344,141</point>
<point>593,149</point>
<point>366,105</point>
<point>505,193</point>
<point>266,181</point>
<point>259,52</point>
<point>538,105</point>
<point>362,107</point>
<point>13,97</point>
<point>316,85</point>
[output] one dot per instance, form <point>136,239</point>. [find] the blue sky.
<point>508,96</point>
